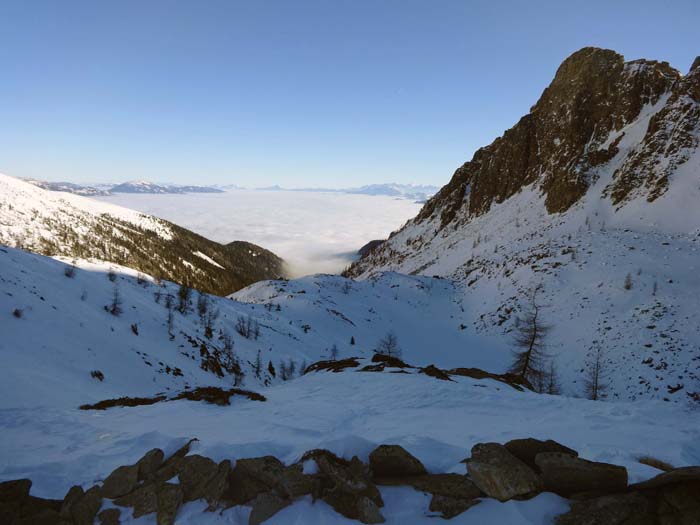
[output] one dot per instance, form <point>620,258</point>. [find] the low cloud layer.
<point>313,232</point>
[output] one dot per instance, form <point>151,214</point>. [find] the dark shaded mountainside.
<point>58,224</point>
<point>572,133</point>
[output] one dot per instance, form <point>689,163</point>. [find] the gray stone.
<point>368,512</point>
<point>265,506</point>
<point>499,474</point>
<point>169,500</point>
<point>450,507</point>
<point>194,473</point>
<point>619,509</point>
<point>394,461</point>
<point>527,449</point>
<point>120,482</point>
<point>109,517</point>
<point>150,463</point>
<point>566,475</point>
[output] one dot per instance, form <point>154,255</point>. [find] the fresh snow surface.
<point>312,231</point>
<point>349,413</point>
<point>64,333</point>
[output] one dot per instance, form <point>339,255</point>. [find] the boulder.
<point>217,486</point>
<point>368,511</point>
<point>618,509</point>
<point>450,507</point>
<point>109,517</point>
<point>347,486</point>
<point>150,463</point>
<point>81,507</point>
<point>194,473</point>
<point>677,493</point>
<point>679,503</point>
<point>253,476</point>
<point>499,474</point>
<point>678,475</point>
<point>449,485</point>
<point>394,461</point>
<point>527,449</point>
<point>169,498</point>
<point>120,482</point>
<point>567,475</point>
<point>143,499</point>
<point>265,506</point>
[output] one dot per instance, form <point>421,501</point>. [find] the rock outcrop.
<point>267,486</point>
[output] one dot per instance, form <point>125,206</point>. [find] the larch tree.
<point>530,340</point>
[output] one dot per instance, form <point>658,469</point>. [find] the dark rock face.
<point>567,475</point>
<point>394,461</point>
<point>527,449</point>
<point>499,474</point>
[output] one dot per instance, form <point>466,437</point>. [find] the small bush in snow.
<point>96,374</point>
<point>628,282</point>
<point>18,312</point>
<point>69,271</point>
<point>112,275</point>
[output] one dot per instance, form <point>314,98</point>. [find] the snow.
<point>209,259</point>
<point>349,413</point>
<point>64,333</point>
<point>313,231</point>
<point>28,212</point>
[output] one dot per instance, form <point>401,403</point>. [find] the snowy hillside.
<point>63,346</point>
<point>616,254</point>
<point>298,321</point>
<point>58,223</point>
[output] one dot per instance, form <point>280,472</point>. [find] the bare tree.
<point>551,381</point>
<point>595,381</point>
<point>115,307</point>
<point>333,353</point>
<point>248,327</point>
<point>389,345</point>
<point>530,335</point>
<point>184,294</point>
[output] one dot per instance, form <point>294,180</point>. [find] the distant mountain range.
<point>136,186</point>
<point>417,192</point>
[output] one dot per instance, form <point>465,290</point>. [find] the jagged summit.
<point>575,129</point>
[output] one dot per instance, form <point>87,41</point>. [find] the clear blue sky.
<point>295,92</point>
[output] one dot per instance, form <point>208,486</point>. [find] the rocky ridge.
<point>599,492</point>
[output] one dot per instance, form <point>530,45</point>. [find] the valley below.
<point>314,232</point>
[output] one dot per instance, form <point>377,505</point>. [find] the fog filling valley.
<point>313,232</point>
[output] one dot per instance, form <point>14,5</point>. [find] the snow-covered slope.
<point>62,331</point>
<point>349,413</point>
<point>576,198</point>
<point>54,223</point>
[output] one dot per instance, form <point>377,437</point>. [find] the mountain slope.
<point>599,181</point>
<point>58,328</point>
<point>72,226</point>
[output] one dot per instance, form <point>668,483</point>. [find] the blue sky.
<point>296,93</point>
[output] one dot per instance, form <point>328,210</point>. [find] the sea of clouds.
<point>314,232</point>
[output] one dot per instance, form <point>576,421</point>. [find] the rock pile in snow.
<point>519,469</point>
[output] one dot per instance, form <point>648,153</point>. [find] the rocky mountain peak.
<point>573,129</point>
<point>696,64</point>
